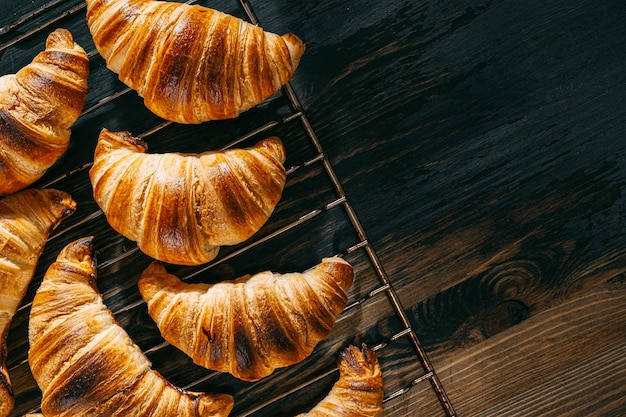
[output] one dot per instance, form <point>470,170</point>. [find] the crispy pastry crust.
<point>359,390</point>
<point>191,63</point>
<point>250,326</point>
<point>26,219</point>
<point>180,208</point>
<point>38,105</point>
<point>86,364</point>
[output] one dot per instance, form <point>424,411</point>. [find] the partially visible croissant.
<point>86,364</point>
<point>191,63</point>
<point>180,208</point>
<point>38,105</point>
<point>252,325</point>
<point>26,219</point>
<point>359,390</point>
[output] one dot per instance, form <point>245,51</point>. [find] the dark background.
<point>482,147</point>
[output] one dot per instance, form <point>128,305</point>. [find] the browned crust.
<point>250,326</point>
<point>196,203</point>
<point>113,377</point>
<point>38,105</point>
<point>191,63</point>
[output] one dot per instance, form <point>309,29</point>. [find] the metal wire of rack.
<point>426,374</point>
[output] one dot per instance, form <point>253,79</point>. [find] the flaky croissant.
<point>38,105</point>
<point>359,390</point>
<point>26,219</point>
<point>252,325</point>
<point>86,364</point>
<point>180,208</point>
<point>191,63</point>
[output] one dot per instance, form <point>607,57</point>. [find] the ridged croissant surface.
<point>86,364</point>
<point>180,208</point>
<point>252,325</point>
<point>359,390</point>
<point>38,105</point>
<point>191,63</point>
<point>26,219</point>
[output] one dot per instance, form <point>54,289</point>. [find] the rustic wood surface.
<point>482,147</point>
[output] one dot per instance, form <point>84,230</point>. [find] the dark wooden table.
<point>481,146</point>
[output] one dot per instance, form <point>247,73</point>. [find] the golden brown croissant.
<point>180,208</point>
<point>191,63</point>
<point>38,105</point>
<point>26,219</point>
<point>86,364</point>
<point>359,390</point>
<point>252,325</point>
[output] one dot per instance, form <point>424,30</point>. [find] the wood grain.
<point>566,360</point>
<point>481,144</point>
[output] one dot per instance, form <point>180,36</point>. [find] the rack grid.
<point>125,251</point>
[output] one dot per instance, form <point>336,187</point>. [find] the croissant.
<point>191,63</point>
<point>26,219</point>
<point>180,208</point>
<point>86,364</point>
<point>252,325</point>
<point>359,390</point>
<point>38,105</point>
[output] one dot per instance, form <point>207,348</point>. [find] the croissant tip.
<point>60,36</point>
<point>275,146</point>
<point>78,251</point>
<point>212,404</point>
<point>296,48</point>
<point>122,138</point>
<point>6,392</point>
<point>358,361</point>
<point>340,269</point>
<point>154,268</point>
<point>335,259</point>
<point>148,279</point>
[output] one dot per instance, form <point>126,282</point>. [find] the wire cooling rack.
<point>315,204</point>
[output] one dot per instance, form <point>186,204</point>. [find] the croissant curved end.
<point>62,38</point>
<point>275,147</point>
<point>296,48</point>
<point>79,251</point>
<point>359,391</point>
<point>62,204</point>
<point>355,362</point>
<point>340,269</point>
<point>155,272</point>
<point>122,139</point>
<point>6,393</point>
<point>38,106</point>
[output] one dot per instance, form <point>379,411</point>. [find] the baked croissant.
<point>26,219</point>
<point>252,325</point>
<point>180,208</point>
<point>359,390</point>
<point>86,364</point>
<point>191,63</point>
<point>38,105</point>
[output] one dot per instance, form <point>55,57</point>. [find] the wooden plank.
<point>566,360</point>
<point>481,145</point>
